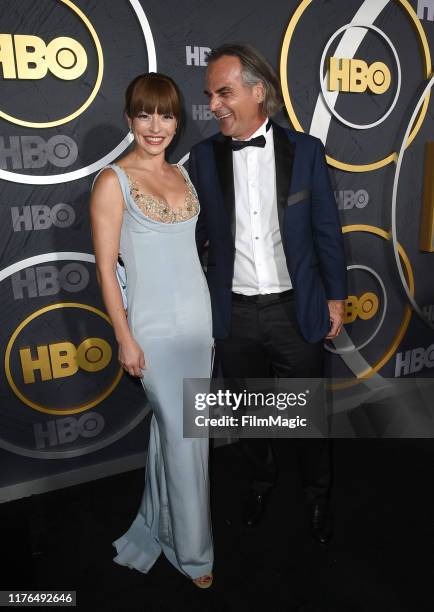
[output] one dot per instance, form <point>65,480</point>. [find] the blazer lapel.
<point>284,151</point>
<point>225,170</point>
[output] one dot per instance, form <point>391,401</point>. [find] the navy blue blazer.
<point>309,226</point>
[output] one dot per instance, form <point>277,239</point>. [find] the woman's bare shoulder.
<point>106,191</point>
<point>107,177</point>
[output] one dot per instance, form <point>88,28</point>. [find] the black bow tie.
<point>237,145</point>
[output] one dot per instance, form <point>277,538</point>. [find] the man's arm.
<point>202,225</point>
<point>327,233</point>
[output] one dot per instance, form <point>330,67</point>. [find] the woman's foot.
<point>204,582</point>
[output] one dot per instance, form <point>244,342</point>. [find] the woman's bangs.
<point>152,95</point>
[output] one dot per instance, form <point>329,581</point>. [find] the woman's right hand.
<point>131,358</point>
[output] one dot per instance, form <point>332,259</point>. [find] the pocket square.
<point>298,197</point>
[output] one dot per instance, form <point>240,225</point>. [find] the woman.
<point>146,209</point>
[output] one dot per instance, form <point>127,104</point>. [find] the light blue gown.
<point>169,314</point>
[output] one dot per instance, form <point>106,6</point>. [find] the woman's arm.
<point>106,212</point>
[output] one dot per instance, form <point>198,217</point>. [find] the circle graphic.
<point>122,428</point>
<point>91,357</point>
<point>391,349</point>
<point>74,175</point>
<point>358,126</point>
<point>392,157</point>
<point>346,349</point>
<point>408,289</point>
<point>63,56</point>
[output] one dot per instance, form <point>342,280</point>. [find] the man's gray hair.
<point>254,69</point>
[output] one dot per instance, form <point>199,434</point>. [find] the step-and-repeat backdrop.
<point>355,73</point>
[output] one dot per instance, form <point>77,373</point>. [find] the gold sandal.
<point>203,582</point>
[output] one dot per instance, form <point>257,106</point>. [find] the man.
<point>276,266</point>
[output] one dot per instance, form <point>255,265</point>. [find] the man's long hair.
<point>254,69</point>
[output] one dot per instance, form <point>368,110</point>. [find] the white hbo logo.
<point>347,199</point>
<point>425,9</point>
<point>21,152</point>
<point>67,429</point>
<point>196,56</point>
<point>428,312</point>
<point>42,217</point>
<point>413,361</point>
<point>201,112</point>
<point>41,281</point>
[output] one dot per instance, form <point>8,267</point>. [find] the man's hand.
<point>336,310</point>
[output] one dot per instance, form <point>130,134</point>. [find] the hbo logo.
<point>429,6</point>
<point>413,361</point>
<point>68,429</point>
<point>49,280</point>
<point>428,312</point>
<point>64,57</point>
<point>201,112</point>
<point>346,199</point>
<point>35,152</point>
<point>196,56</point>
<point>41,217</point>
<point>63,359</point>
<point>363,307</point>
<point>356,76</point>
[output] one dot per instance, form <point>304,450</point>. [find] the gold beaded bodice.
<point>158,209</point>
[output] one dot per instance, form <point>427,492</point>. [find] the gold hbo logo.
<point>54,73</point>
<point>28,57</point>
<point>356,76</point>
<point>364,307</point>
<point>63,359</point>
<point>60,359</point>
<point>358,57</point>
<point>54,61</point>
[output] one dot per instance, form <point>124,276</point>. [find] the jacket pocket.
<point>297,197</point>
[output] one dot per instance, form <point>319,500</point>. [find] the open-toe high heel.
<point>204,582</point>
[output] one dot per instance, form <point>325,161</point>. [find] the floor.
<point>381,557</point>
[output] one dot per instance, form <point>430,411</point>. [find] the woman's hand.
<point>131,358</point>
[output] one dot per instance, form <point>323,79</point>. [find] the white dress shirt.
<point>260,264</point>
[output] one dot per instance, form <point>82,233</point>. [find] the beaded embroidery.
<point>159,210</point>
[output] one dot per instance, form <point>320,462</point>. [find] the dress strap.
<point>122,178</point>
<point>184,173</point>
<point>98,173</point>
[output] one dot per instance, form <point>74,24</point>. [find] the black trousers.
<point>266,341</point>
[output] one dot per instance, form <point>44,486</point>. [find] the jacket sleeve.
<point>202,225</point>
<point>327,230</point>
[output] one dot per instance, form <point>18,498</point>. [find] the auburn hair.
<point>152,92</point>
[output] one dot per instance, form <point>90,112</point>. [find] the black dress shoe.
<point>253,508</point>
<point>321,523</point>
